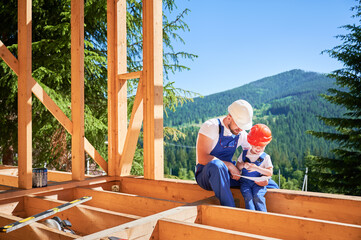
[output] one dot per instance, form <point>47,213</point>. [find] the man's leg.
<point>259,199</point>
<point>214,176</point>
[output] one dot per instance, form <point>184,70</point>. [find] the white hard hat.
<point>242,113</point>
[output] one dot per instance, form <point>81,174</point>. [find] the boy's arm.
<point>264,171</point>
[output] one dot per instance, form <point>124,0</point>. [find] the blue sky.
<point>240,41</point>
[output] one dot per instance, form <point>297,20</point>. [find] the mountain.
<point>294,83</point>
<point>288,103</point>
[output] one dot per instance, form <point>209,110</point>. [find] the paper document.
<point>257,179</point>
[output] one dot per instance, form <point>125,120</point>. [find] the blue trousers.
<point>215,177</point>
<point>253,195</point>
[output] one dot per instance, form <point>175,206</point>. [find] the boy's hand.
<point>250,166</point>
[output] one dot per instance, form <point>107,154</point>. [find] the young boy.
<point>254,163</point>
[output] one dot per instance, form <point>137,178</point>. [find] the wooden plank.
<point>132,136</point>
<point>143,228</point>
<point>56,187</point>
<point>24,94</point>
<point>276,225</point>
<point>126,203</point>
<point>94,154</point>
<point>131,75</point>
<point>14,206</point>
<point>9,58</point>
<point>176,230</point>
<point>170,189</point>
<point>84,219</point>
<point>9,180</point>
<point>34,231</point>
<point>112,73</point>
<point>330,207</point>
<point>77,89</point>
<point>153,92</point>
<point>121,85</point>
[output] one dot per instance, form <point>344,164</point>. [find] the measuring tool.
<point>16,225</point>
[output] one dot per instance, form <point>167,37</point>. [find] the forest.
<point>289,103</point>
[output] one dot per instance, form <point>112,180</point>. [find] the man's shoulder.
<point>210,128</point>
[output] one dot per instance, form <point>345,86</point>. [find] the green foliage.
<point>342,174</point>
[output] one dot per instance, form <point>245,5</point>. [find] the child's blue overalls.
<point>215,176</point>
<point>252,193</point>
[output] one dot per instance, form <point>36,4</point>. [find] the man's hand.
<point>235,173</point>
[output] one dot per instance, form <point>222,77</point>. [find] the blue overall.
<point>214,175</point>
<point>253,194</point>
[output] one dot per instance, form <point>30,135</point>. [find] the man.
<point>217,142</point>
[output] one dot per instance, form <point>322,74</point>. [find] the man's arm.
<point>204,148</point>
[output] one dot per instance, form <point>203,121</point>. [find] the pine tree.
<point>342,174</point>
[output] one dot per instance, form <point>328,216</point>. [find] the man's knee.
<point>216,164</point>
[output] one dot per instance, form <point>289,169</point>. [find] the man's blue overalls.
<point>215,176</point>
<point>253,194</point>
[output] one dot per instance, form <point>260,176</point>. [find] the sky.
<point>240,41</point>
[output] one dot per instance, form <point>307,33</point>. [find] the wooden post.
<point>112,72</point>
<point>122,117</point>
<point>153,92</point>
<point>77,89</point>
<point>24,94</point>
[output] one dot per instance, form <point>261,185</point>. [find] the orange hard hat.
<point>260,135</point>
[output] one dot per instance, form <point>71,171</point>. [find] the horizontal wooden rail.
<point>176,230</point>
<point>276,225</point>
<point>39,92</point>
<point>126,203</point>
<point>131,75</point>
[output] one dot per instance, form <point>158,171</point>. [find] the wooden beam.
<point>84,219</point>
<point>77,89</point>
<point>276,225</point>
<point>112,96</point>
<point>126,203</point>
<point>94,154</point>
<point>39,92</point>
<point>132,136</point>
<point>143,228</point>
<point>170,189</point>
<point>330,207</point>
<point>121,84</point>
<point>131,75</point>
<point>24,94</point>
<point>176,230</point>
<point>9,180</point>
<point>56,187</point>
<point>153,92</point>
<point>34,231</point>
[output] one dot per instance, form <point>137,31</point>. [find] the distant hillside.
<point>288,84</point>
<point>288,103</point>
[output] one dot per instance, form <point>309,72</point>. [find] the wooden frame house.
<point>133,207</point>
